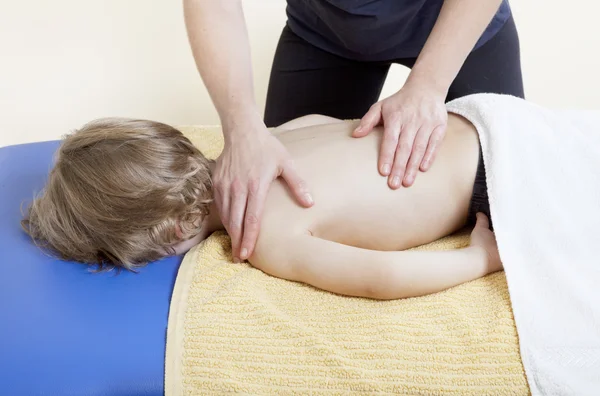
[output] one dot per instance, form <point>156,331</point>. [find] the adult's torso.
<point>355,206</point>
<point>373,30</point>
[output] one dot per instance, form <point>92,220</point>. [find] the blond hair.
<point>117,193</point>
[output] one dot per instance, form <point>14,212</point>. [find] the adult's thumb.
<point>368,122</point>
<point>297,186</point>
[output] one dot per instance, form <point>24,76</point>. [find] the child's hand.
<point>482,237</point>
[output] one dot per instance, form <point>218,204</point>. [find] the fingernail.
<point>395,181</point>
<point>236,260</point>
<point>358,129</point>
<point>244,254</point>
<point>426,164</point>
<point>385,169</point>
<point>309,199</point>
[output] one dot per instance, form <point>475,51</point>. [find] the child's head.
<point>122,192</point>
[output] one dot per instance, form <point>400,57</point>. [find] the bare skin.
<point>414,118</point>
<point>351,242</point>
<point>354,207</point>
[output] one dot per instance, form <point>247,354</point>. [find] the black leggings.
<point>307,80</point>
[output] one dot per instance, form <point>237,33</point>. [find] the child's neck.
<point>213,222</point>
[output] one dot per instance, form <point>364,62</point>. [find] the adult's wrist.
<point>428,83</point>
<point>241,120</point>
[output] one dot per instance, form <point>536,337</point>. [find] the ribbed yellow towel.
<point>234,329</point>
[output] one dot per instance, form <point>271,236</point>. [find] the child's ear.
<point>178,232</point>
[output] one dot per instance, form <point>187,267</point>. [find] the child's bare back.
<point>354,205</point>
<point>351,241</point>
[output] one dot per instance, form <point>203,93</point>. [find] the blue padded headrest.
<point>64,330</point>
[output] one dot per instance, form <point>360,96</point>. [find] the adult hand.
<point>251,159</point>
<point>414,121</point>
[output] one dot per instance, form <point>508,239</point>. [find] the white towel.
<point>543,176</point>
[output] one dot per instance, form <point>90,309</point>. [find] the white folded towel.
<point>543,176</point>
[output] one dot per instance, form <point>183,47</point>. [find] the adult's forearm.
<point>457,30</point>
<point>219,41</point>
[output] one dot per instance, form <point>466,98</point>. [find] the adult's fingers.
<point>257,194</point>
<point>297,185</point>
<point>389,143</point>
<point>237,210</point>
<point>369,121</point>
<point>402,152</point>
<point>416,156</point>
<point>432,148</point>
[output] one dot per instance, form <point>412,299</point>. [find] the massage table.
<point>64,330</point>
<point>232,328</point>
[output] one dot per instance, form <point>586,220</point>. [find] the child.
<point>124,192</point>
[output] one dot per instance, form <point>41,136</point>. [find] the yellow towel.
<point>234,329</point>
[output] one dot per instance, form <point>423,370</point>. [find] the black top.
<point>373,30</point>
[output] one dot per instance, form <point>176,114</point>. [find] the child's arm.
<point>359,272</point>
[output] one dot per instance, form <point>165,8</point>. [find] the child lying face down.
<point>125,192</point>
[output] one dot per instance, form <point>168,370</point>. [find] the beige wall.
<point>64,62</point>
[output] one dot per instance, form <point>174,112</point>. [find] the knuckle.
<point>403,152</point>
<point>405,143</point>
<point>433,145</point>
<point>399,164</point>
<point>390,136</point>
<point>413,165</point>
<point>399,170</point>
<point>428,112</point>
<point>407,136</point>
<point>253,186</point>
<point>410,113</point>
<point>394,116</point>
<point>391,130</point>
<point>420,147</point>
<point>301,185</point>
<point>440,113</point>
<point>386,159</point>
<point>218,185</point>
<point>289,163</point>
<point>432,148</point>
<point>387,155</point>
<point>234,227</point>
<point>225,220</point>
<point>439,133</point>
<point>251,219</point>
<point>236,187</point>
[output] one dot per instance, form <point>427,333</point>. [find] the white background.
<point>65,62</point>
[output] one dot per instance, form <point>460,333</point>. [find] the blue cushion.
<point>64,330</point>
